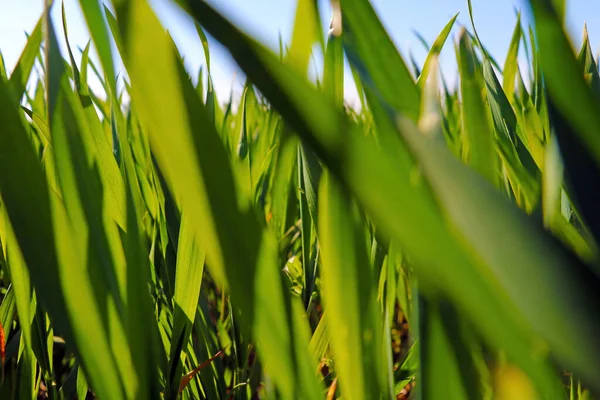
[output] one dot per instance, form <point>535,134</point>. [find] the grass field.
<point>434,242</point>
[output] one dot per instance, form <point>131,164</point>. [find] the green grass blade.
<point>512,268</point>
<point>353,318</point>
<point>509,72</point>
<point>480,148</point>
<point>20,282</point>
<point>188,278</point>
<point>434,51</point>
<point>375,51</point>
<point>587,61</point>
<point>92,12</point>
<point>307,32</point>
<point>7,311</point>
<point>21,74</point>
<point>441,356</point>
<point>564,80</point>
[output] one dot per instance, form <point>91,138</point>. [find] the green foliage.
<point>437,242</point>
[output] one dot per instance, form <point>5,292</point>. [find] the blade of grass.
<point>353,316</point>
<point>509,72</point>
<point>22,72</point>
<point>477,126</point>
<point>364,51</point>
<point>434,51</point>
<point>188,278</point>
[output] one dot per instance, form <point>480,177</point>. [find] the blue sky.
<point>267,19</point>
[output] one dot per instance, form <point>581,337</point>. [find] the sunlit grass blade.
<point>307,32</point>
<point>92,12</point>
<point>434,51</point>
<point>99,147</point>
<point>188,277</point>
<point>509,72</point>
<point>36,237</point>
<point>479,140</point>
<point>22,72</point>
<point>564,80</point>
<point>349,295</point>
<point>367,51</point>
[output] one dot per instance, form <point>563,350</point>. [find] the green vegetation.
<point>437,243</point>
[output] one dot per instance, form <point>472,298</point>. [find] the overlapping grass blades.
<point>286,245</point>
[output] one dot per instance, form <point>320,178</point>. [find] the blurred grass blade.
<point>307,32</point>
<point>586,59</point>
<point>22,72</point>
<point>353,317</point>
<point>564,79</point>
<point>20,283</point>
<point>480,147</point>
<point>368,52</point>
<point>441,356</point>
<point>188,278</point>
<point>576,282</point>
<point>434,51</point>
<point>509,72</point>
<point>92,12</point>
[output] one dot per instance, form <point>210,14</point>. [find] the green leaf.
<point>509,72</point>
<point>480,149</point>
<point>434,51</point>
<point>21,74</point>
<point>565,83</point>
<point>375,51</point>
<point>442,350</point>
<point>349,296</point>
<point>92,12</point>
<point>586,59</point>
<point>188,278</point>
<point>38,228</point>
<point>307,32</point>
<point>20,283</point>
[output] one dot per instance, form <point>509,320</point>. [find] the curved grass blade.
<point>509,72</point>
<point>21,74</point>
<point>366,51</point>
<point>565,83</point>
<point>434,51</point>
<point>480,144</point>
<point>92,12</point>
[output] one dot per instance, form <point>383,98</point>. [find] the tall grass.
<point>439,243</point>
